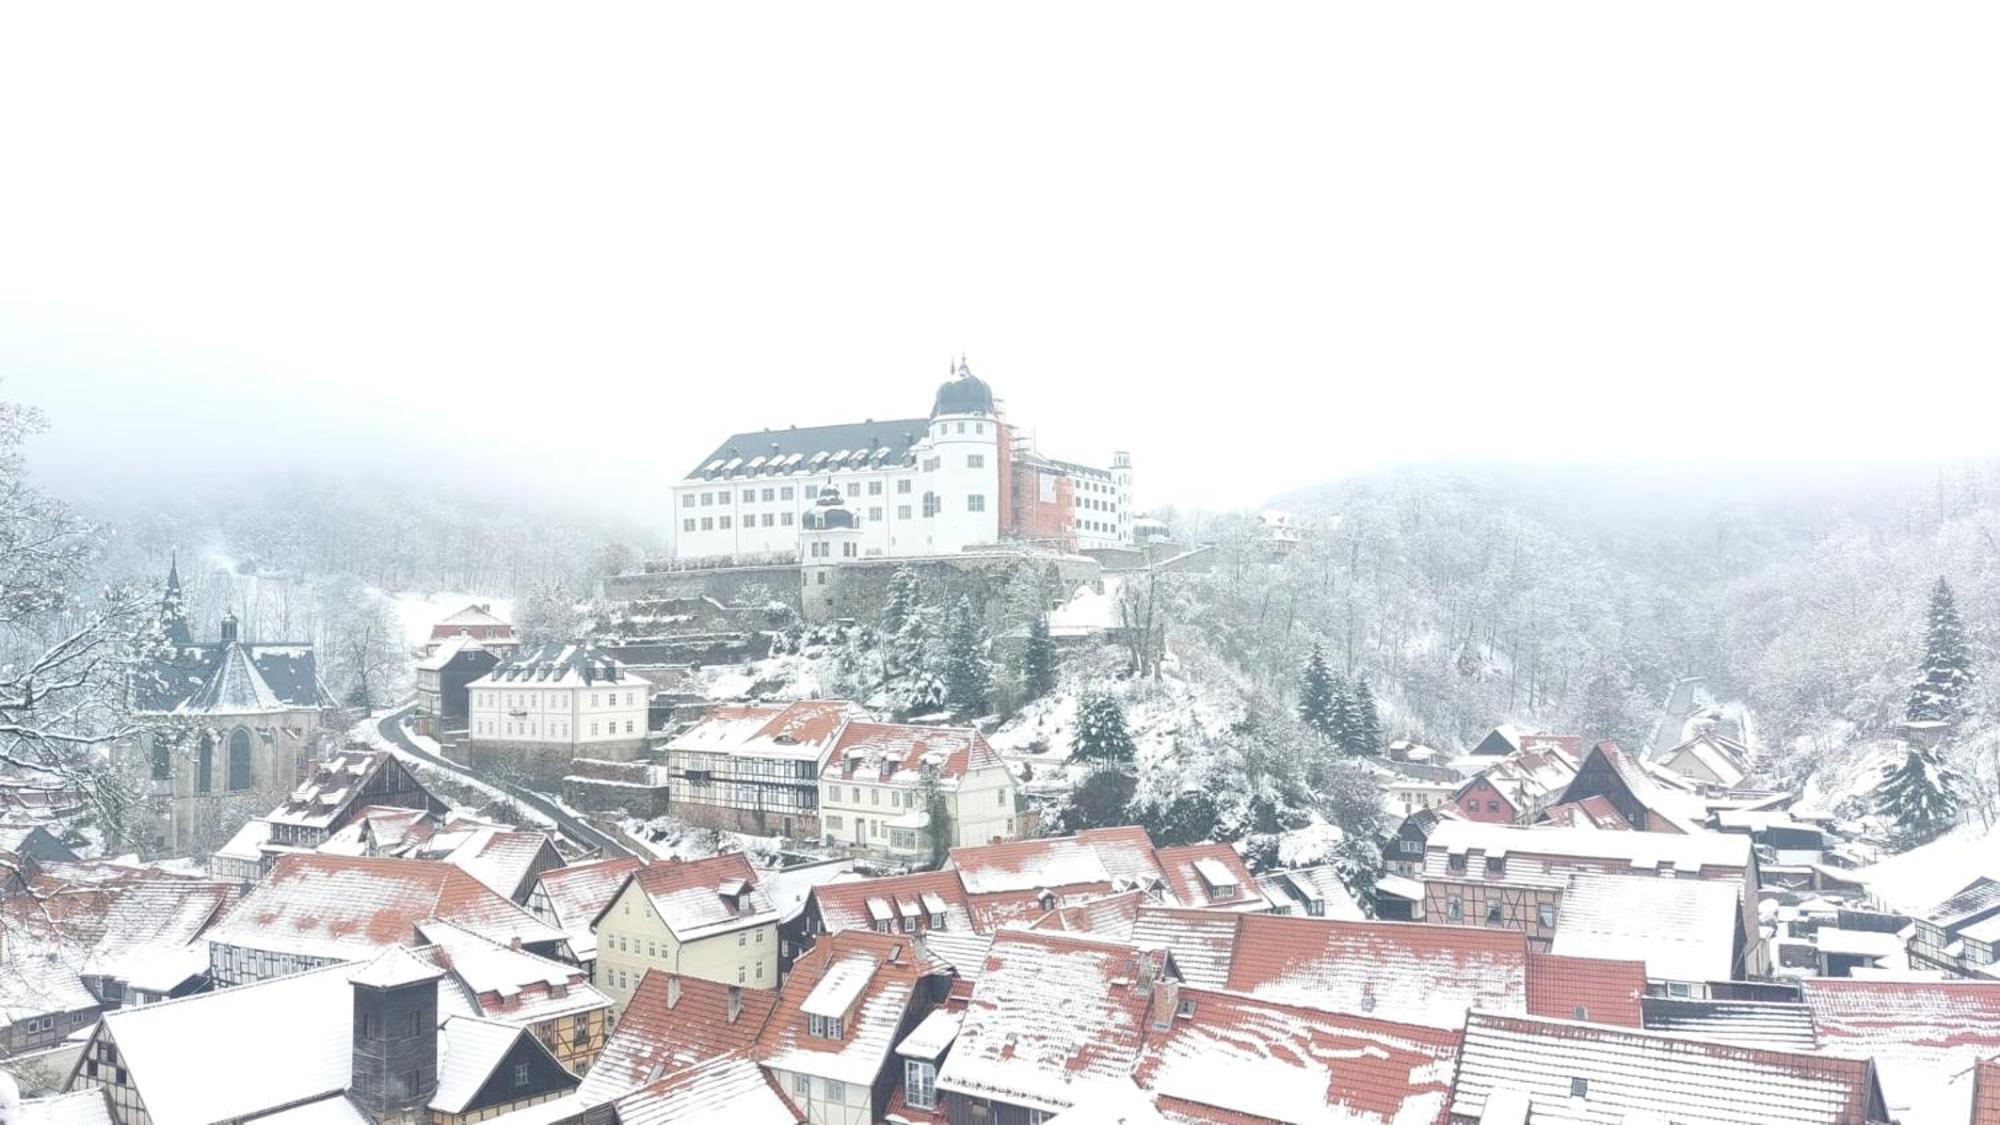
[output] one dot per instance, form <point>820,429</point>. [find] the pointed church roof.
<point>236,687</point>
<point>173,607</point>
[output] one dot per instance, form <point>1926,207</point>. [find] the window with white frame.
<point>920,1083</point>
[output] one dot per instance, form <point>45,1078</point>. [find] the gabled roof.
<point>1625,1075</point>
<point>868,981</point>
<point>1591,812</point>
<point>1203,942</point>
<point>230,678</point>
<point>338,787</point>
<point>1746,1023</point>
<point>1683,929</point>
<point>348,907</point>
<point>1049,1010</point>
<point>1113,917</point>
<point>450,649</point>
<point>1977,900</point>
<point>1676,812</point>
<point>856,904</point>
<point>78,1107</point>
<point>1924,1035</point>
<point>469,1051</point>
<point>1726,759</point>
<point>668,1027</point>
<point>1018,881</point>
<point>688,895</point>
<point>801,731</point>
<point>507,984</point>
<point>501,858</point>
<point>146,919</point>
<point>1296,889</point>
<point>1263,1061</point>
<point>907,748</point>
<point>475,614</point>
<point>1210,875</point>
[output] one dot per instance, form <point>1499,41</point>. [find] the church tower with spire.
<point>173,608</point>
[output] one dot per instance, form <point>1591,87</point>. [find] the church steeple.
<point>173,610</point>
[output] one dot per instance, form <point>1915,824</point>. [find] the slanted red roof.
<point>906,747</point>
<point>1924,1035</point>
<point>1408,972</point>
<point>1591,812</point>
<point>666,1029</point>
<point>1986,1092</point>
<point>804,730</point>
<point>688,895</point>
<point>1112,917</point>
<point>1587,989</point>
<point>1018,881</point>
<point>347,906</point>
<point>1625,1074</point>
<point>1212,875</point>
<point>1049,1010</point>
<point>855,904</point>
<point>872,979</point>
<point>1237,1059</point>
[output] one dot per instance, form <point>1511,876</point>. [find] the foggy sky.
<point>1256,246</point>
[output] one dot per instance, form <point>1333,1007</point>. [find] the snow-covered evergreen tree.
<point>1939,693</point>
<point>966,670</point>
<point>1316,703</point>
<point>1101,736</point>
<point>1039,659</point>
<point>905,596</point>
<point>1921,795</point>
<point>548,615</point>
<point>1365,726</point>
<point>1345,719</point>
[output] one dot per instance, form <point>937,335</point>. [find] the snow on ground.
<point>785,676</point>
<point>367,732</point>
<point>680,840</point>
<point>418,612</point>
<point>1915,881</point>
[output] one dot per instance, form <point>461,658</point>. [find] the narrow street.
<point>1680,704</point>
<point>391,728</point>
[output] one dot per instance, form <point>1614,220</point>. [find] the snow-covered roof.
<point>1713,755</point>
<point>469,1051</point>
<point>688,895</point>
<point>500,858</point>
<point>1263,1061</point>
<point>507,984</point>
<point>78,1107</point>
<point>1049,1011</point>
<point>1299,888</point>
<point>844,904</point>
<point>1210,875</point>
<point>801,731</point>
<point>791,888</point>
<point>670,1025</point>
<point>448,650</point>
<point>732,1092</point>
<point>1683,929</point>
<point>933,1036</point>
<point>349,907</point>
<point>1717,852</point>
<point>559,665</point>
<point>861,749</point>
<point>575,895</point>
<point>1923,1035</point>
<point>874,975</point>
<point>1746,1023</point>
<point>1577,1072</point>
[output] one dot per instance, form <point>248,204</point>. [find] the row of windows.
<point>1096,527</point>
<point>710,499</point>
<point>1454,911</point>
<point>723,523</point>
<point>553,700</point>
<point>822,550</point>
<point>1097,505</point>
<point>556,730</point>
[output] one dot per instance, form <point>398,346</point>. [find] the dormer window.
<point>1455,863</point>
<point>823,1027</point>
<point>1496,865</point>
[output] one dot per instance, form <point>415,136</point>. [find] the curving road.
<point>1680,705</point>
<point>391,728</point>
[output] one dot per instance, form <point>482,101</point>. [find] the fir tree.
<point>1939,693</point>
<point>1101,736</point>
<point>905,596</point>
<point>1316,702</point>
<point>1365,731</point>
<point>1921,795</point>
<point>1344,719</point>
<point>1038,660</point>
<point>966,672</point>
<point>939,811</point>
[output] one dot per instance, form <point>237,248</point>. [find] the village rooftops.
<point>448,650</point>
<point>704,897</point>
<point>839,1010</point>
<point>1316,892</point>
<point>335,786</point>
<point>901,753</point>
<point>1591,812</point>
<point>1683,929</point>
<point>673,1023</point>
<point>1112,918</point>
<point>1924,1035</point>
<point>507,984</point>
<point>733,1091</point>
<point>479,615</point>
<point>347,907</point>
<point>802,731</point>
<point>930,900</point>
<point>558,665</point>
<point>1210,875</point>
<point>1641,852</point>
<point>1564,1071</point>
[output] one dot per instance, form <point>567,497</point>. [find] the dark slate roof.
<point>231,678</point>
<point>965,394</point>
<point>1745,1023</point>
<point>828,512</point>
<point>1974,902</point>
<point>797,451</point>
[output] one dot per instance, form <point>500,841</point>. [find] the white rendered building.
<point>961,478</point>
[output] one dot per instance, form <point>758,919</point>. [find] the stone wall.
<point>538,764</point>
<point>635,788</point>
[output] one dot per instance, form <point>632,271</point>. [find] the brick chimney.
<point>673,989</point>
<point>1166,1001</point>
<point>735,1002</point>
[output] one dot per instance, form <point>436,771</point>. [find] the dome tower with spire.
<point>963,486</point>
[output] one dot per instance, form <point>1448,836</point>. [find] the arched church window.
<point>239,759</point>
<point>204,765</point>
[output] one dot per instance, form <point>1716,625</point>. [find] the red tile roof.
<point>1112,917</point>
<point>342,906</point>
<point>1924,1035</point>
<point>1625,1073</point>
<point>1986,1092</point>
<point>889,971</point>
<point>1587,989</point>
<point>1183,868</point>
<point>688,895</point>
<point>907,745</point>
<point>845,904</point>
<point>1409,972</point>
<point>665,1030</point>
<point>1237,1059</point>
<point>1591,812</point>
